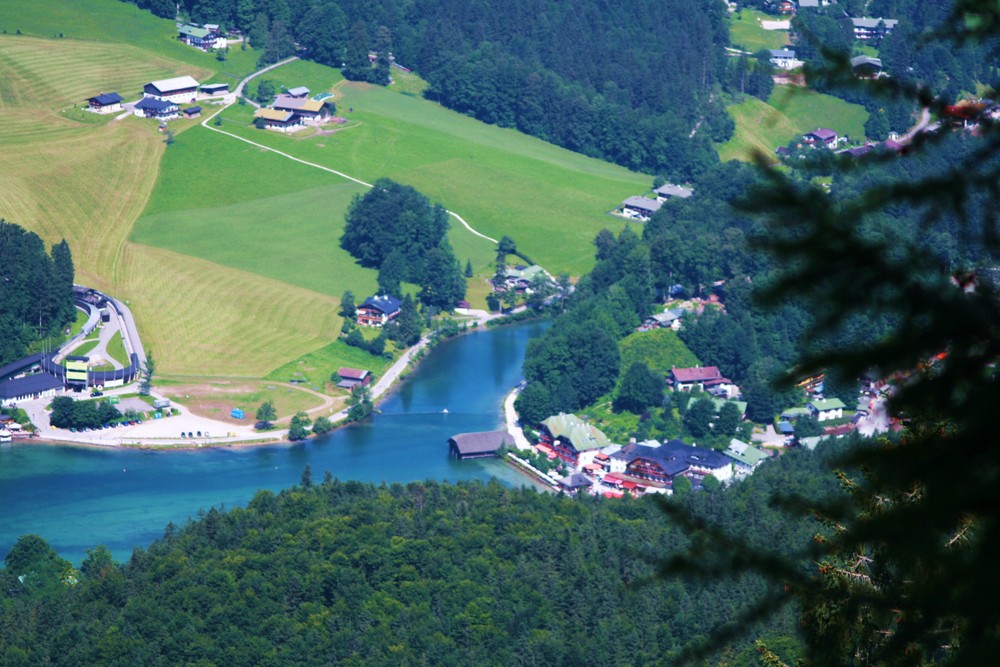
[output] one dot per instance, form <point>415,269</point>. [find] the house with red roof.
<point>823,136</point>
<point>686,379</point>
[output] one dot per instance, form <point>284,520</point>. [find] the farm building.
<point>640,208</point>
<point>150,107</point>
<point>272,119</point>
<point>192,112</point>
<point>201,38</point>
<point>105,103</point>
<point>477,445</point>
<point>215,88</point>
<point>671,191</point>
<point>301,107</point>
<point>784,58</point>
<point>300,91</point>
<point>820,137</point>
<point>351,377</point>
<point>178,89</point>
<point>378,310</point>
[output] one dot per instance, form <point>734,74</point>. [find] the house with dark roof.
<point>351,377</point>
<point>640,208</point>
<point>686,379</point>
<point>668,319</point>
<point>820,137</point>
<point>105,103</point>
<point>572,439</point>
<point>378,310</point>
<point>872,28</point>
<point>671,191</point>
<point>150,107</point>
<point>214,88</point>
<point>192,112</point>
<point>866,67</point>
<point>661,463</point>
<point>179,89</point>
<point>575,483</point>
<point>29,387</point>
<point>784,59</point>
<point>478,445</point>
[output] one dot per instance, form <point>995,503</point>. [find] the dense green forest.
<point>427,573</point>
<point>635,83</point>
<point>36,290</point>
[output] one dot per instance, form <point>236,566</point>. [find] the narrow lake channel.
<point>77,498</point>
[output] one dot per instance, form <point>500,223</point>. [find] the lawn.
<point>746,32</point>
<point>788,113</point>
<point>216,399</point>
<point>316,367</point>
<point>317,78</point>
<point>116,349</point>
<point>500,181</point>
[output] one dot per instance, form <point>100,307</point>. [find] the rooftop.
<point>827,404</point>
<point>696,374</point>
<point>482,442</point>
<point>873,22</point>
<point>30,384</point>
<point>192,31</point>
<point>106,98</point>
<point>383,303</point>
<point>177,83</point>
<point>582,435</point>
<point>643,203</point>
<point>671,190</point>
<point>744,453</point>
<point>298,91</point>
<point>154,104</point>
<point>782,53</point>
<point>823,133</point>
<point>296,103</point>
<point>353,373</point>
<point>273,114</point>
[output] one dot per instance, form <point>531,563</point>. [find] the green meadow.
<point>317,78</point>
<point>552,202</point>
<point>745,31</point>
<point>317,366</point>
<point>788,113</point>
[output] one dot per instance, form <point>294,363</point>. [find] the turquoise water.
<point>77,498</point>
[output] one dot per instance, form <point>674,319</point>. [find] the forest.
<point>36,291</point>
<point>608,80</point>
<point>348,573</point>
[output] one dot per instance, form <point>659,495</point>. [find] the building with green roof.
<point>827,408</point>
<point>747,457</point>
<point>572,439</point>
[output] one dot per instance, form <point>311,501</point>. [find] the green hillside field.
<point>228,253</point>
<point>788,113</point>
<point>746,32</point>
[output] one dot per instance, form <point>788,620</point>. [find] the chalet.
<point>671,191</point>
<point>178,89</point>
<point>573,440</point>
<point>668,319</point>
<point>784,59</point>
<point>661,463</point>
<point>351,377</point>
<point>478,445</point>
<point>150,107</point>
<point>105,103</point>
<point>272,119</point>
<point>820,137</point>
<point>747,457</point>
<point>192,112</point>
<point>866,67</point>
<point>215,88</point>
<point>378,310</point>
<point>301,107</point>
<point>201,38</point>
<point>640,208</point>
<point>870,28</point>
<point>826,409</point>
<point>686,379</point>
<point>300,91</point>
<point>29,387</point>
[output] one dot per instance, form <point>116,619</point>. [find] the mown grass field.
<point>316,367</point>
<point>233,267</point>
<point>551,201</point>
<point>745,31</point>
<point>789,112</point>
<point>317,78</point>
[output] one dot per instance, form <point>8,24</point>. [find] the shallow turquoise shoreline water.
<point>77,497</point>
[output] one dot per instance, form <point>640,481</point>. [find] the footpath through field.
<point>239,90</point>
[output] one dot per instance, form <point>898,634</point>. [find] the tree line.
<point>431,573</point>
<point>36,291</point>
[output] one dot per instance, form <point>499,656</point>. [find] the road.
<point>513,425</point>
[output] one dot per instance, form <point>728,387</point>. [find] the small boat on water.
<point>445,411</point>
